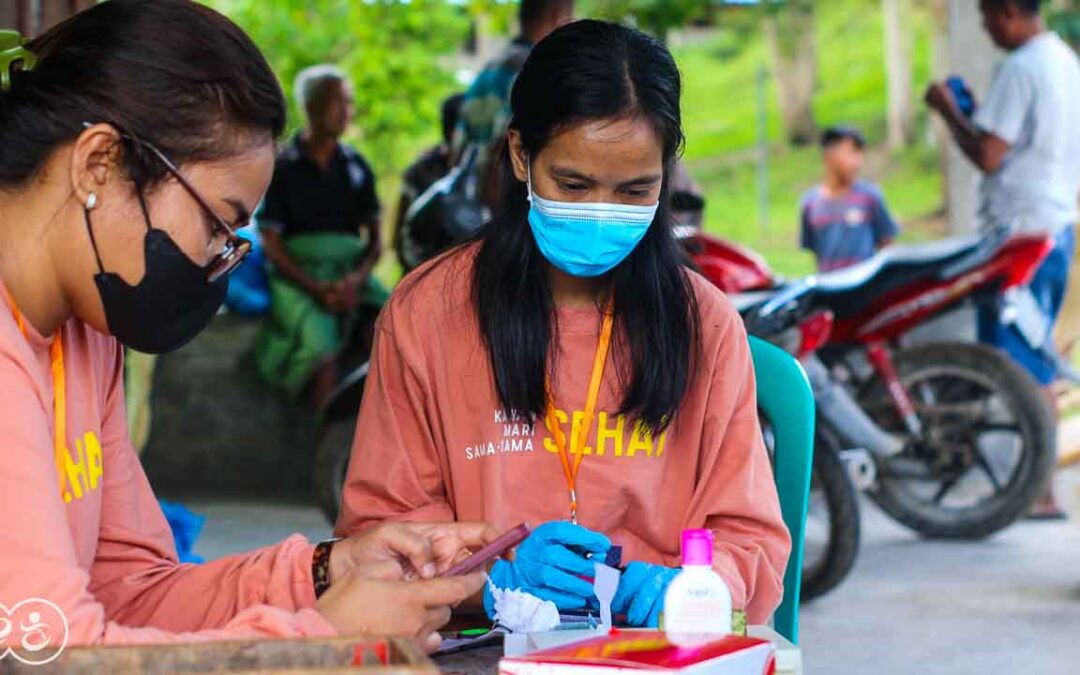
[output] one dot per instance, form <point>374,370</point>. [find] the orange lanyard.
<point>56,356</point>
<point>570,472</point>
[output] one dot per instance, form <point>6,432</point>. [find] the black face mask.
<point>170,306</point>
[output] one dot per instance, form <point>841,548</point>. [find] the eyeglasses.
<point>236,247</point>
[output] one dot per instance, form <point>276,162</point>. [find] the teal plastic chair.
<point>784,395</point>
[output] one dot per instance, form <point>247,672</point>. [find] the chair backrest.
<point>784,395</point>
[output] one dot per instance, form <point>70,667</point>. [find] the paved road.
<point>1007,605</point>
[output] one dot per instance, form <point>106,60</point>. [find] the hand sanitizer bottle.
<point>697,602</point>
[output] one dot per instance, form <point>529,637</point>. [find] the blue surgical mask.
<point>586,239</point>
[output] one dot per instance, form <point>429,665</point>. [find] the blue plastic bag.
<point>965,100</point>
<point>249,291</point>
<point>186,527</point>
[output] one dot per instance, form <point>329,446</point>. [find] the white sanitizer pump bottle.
<point>697,604</point>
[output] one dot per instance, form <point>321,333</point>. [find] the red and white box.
<point>648,651</point>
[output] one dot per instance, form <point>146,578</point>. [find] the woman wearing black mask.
<point>135,138</point>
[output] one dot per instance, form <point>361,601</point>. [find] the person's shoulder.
<point>716,314</point>
<point>868,188</point>
<point>1056,49</point>
<point>434,154</point>
<point>1027,60</point>
<point>288,153</point>
<point>436,291</point>
<point>500,71</point>
<point>432,158</point>
<point>1049,45</point>
<point>809,195</point>
<point>354,156</point>
<point>515,55</point>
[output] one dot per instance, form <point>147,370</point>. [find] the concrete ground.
<point>1007,605</point>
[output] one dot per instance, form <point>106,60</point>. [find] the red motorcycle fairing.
<point>881,298</point>
<point>890,309</point>
<point>730,267</point>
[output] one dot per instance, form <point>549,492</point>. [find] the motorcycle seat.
<point>850,290</point>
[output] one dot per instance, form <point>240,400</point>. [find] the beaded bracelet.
<point>320,566</point>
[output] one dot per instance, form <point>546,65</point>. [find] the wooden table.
<point>482,661</point>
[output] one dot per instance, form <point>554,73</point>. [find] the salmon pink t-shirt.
<point>432,442</point>
<point>93,540</point>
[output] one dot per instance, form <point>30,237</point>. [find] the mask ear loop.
<point>93,240</point>
<point>528,178</point>
<point>142,205</point>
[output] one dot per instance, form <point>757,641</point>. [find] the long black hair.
<point>589,70</point>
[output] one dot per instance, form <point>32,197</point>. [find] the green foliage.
<point>657,17</point>
<point>720,76</point>
<point>720,120</point>
<point>1066,22</point>
<point>391,50</point>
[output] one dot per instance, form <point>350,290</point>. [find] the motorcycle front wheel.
<point>987,446</point>
<point>832,523</point>
<point>832,535</point>
<point>331,464</point>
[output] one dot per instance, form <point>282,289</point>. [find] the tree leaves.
<point>394,52</point>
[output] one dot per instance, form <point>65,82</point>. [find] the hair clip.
<point>13,49</point>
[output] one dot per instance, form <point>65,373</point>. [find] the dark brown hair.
<point>171,72</point>
<point>1025,7</point>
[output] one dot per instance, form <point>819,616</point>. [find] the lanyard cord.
<point>56,357</point>
<point>570,472</point>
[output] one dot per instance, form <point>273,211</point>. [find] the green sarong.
<point>298,333</point>
<point>138,389</point>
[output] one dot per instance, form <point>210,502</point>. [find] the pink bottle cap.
<point>697,547</point>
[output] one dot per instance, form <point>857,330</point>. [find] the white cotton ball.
<point>521,612</point>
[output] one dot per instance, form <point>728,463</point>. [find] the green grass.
<point>910,181</point>
<point>720,76</point>
<point>721,117</point>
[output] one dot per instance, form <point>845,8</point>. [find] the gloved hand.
<point>544,566</point>
<point>641,593</point>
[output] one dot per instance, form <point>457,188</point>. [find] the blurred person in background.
<point>1025,138</point>
<point>687,198</point>
<point>415,245</point>
<point>485,112</point>
<point>843,219</point>
<point>319,225</point>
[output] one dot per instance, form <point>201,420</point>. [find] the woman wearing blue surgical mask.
<point>567,370</point>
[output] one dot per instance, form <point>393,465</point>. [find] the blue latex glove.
<point>641,593</point>
<point>543,566</point>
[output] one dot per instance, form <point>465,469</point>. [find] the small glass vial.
<point>697,603</point>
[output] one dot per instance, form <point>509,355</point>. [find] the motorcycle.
<point>785,318</point>
<point>934,416</point>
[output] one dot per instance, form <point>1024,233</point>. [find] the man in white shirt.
<point>1025,138</point>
